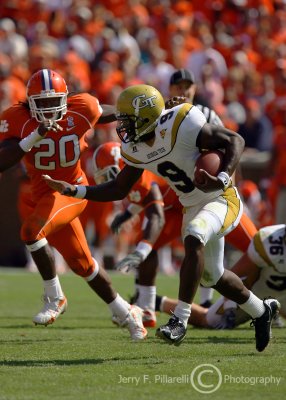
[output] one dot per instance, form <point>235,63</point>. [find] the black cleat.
<point>173,332</point>
<point>263,324</point>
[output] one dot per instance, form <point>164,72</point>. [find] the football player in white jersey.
<point>168,142</point>
<point>183,85</point>
<point>262,269</point>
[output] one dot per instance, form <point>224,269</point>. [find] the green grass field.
<point>84,356</point>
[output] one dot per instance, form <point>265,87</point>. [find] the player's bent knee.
<point>87,268</point>
<point>192,243</point>
<point>210,279</point>
<point>31,247</point>
<point>94,273</point>
<point>196,232</point>
<point>31,231</point>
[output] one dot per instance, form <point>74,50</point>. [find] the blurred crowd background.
<point>236,50</point>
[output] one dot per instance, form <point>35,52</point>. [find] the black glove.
<point>119,220</point>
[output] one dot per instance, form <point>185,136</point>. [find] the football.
<point>210,161</point>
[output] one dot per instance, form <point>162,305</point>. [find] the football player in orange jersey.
<point>48,133</point>
<point>107,163</point>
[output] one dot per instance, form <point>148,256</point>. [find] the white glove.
<point>129,262</point>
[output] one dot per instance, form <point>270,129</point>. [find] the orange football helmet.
<point>106,162</point>
<point>47,95</point>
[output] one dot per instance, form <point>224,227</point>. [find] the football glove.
<point>228,319</point>
<point>119,220</point>
<point>131,261</point>
<point>175,101</point>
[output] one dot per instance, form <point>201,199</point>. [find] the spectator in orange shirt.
<point>13,89</point>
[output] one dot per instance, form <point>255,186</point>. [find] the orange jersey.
<point>58,154</point>
<point>143,186</point>
<point>172,206</point>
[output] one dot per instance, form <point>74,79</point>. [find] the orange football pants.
<point>55,217</point>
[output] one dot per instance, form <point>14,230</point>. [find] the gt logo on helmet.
<point>141,101</point>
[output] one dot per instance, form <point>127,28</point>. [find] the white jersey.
<point>173,153</point>
<point>268,251</point>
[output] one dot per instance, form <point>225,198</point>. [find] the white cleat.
<point>135,323</point>
<point>118,322</point>
<point>51,311</point>
<point>149,318</point>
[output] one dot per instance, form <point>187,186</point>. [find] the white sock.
<point>206,294</point>
<point>253,306</point>
<point>183,311</point>
<point>147,297</point>
<point>53,288</point>
<point>119,307</point>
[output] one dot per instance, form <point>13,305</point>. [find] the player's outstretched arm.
<point>116,189</point>
<point>60,186</point>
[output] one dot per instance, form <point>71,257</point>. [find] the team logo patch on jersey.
<point>70,121</point>
<point>4,126</point>
<point>163,133</point>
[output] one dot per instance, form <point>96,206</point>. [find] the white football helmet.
<point>47,95</point>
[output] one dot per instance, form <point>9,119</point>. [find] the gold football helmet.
<point>138,110</point>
